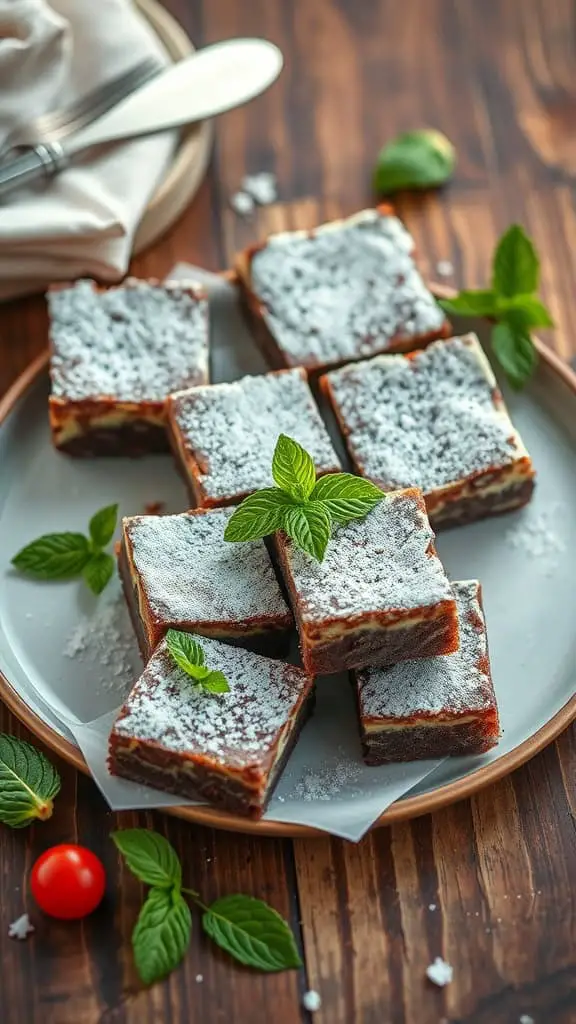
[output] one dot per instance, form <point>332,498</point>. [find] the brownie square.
<point>178,571</point>
<point>227,748</point>
<point>116,354</point>
<point>380,596</point>
<point>435,707</point>
<point>224,435</point>
<point>436,420</point>
<point>345,290</point>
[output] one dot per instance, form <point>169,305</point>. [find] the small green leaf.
<point>470,303</point>
<point>345,497</point>
<point>524,312</point>
<point>102,526</point>
<point>187,653</point>
<point>215,682</point>
<point>28,783</point>
<point>293,469</point>
<point>54,556</point>
<point>516,354</point>
<point>98,571</point>
<point>149,856</point>
<point>252,932</point>
<point>516,266</point>
<point>309,526</point>
<point>162,934</point>
<point>257,516</point>
<point>420,159</point>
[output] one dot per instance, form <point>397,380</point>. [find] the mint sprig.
<point>413,160</point>
<point>302,506</point>
<point>247,928</point>
<point>56,556</point>
<point>28,783</point>
<point>512,303</point>
<point>189,656</point>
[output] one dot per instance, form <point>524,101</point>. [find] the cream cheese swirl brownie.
<point>434,707</point>
<point>345,290</point>
<point>116,354</point>
<point>179,572</point>
<point>224,435</point>
<point>380,596</point>
<point>227,748</point>
<point>436,420</point>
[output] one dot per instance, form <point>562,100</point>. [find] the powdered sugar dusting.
<point>136,342</point>
<point>428,420</point>
<point>534,534</point>
<point>456,682</point>
<point>238,727</point>
<point>328,779</point>
<point>232,429</point>
<point>374,564</point>
<point>105,641</point>
<point>189,573</point>
<point>344,290</point>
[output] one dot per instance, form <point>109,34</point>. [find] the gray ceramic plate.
<point>526,562</point>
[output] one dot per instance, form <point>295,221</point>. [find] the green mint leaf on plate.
<point>419,159</point>
<point>28,783</point>
<point>149,856</point>
<point>252,932</point>
<point>524,312</point>
<point>516,267</point>
<point>258,515</point>
<point>515,352</point>
<point>189,656</point>
<point>469,303</point>
<point>102,526</point>
<point>215,682</point>
<point>98,571</point>
<point>345,497</point>
<point>309,526</point>
<point>54,556</point>
<point>162,934</point>
<point>293,469</point>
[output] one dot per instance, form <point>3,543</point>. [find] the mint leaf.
<point>420,159</point>
<point>162,934</point>
<point>516,268</point>
<point>257,516</point>
<point>149,856</point>
<point>215,682</point>
<point>102,526</point>
<point>524,312</point>
<point>186,652</point>
<point>28,783</point>
<point>98,571</point>
<point>309,526</point>
<point>252,932</point>
<point>470,303</point>
<point>515,352</point>
<point>345,497</point>
<point>293,469</point>
<point>54,556</point>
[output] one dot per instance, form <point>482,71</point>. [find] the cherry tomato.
<point>68,881</point>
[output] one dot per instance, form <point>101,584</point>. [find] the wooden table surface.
<point>489,883</point>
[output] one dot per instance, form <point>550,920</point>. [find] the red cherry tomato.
<point>68,881</point>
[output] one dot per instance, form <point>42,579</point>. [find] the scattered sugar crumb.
<point>154,508</point>
<point>261,187</point>
<point>519,896</point>
<point>431,906</point>
<point>199,977</point>
<point>21,928</point>
<point>311,1001</point>
<point>323,783</point>
<point>444,268</point>
<point>440,972</point>
<point>242,203</point>
<point>105,641</point>
<point>526,1019</point>
<point>29,615</point>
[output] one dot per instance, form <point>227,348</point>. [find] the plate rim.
<point>402,810</point>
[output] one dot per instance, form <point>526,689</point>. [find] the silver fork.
<point>57,124</point>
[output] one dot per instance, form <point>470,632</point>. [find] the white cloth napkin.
<point>83,223</point>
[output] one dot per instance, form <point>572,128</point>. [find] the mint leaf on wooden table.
<point>413,160</point>
<point>57,556</point>
<point>303,507</point>
<point>252,932</point>
<point>189,656</point>
<point>149,856</point>
<point>28,783</point>
<point>161,935</point>
<point>511,302</point>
